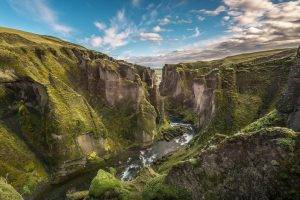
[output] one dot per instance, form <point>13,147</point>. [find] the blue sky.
<point>155,32</point>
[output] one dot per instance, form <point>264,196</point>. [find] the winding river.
<point>127,167</point>
<point>159,149</point>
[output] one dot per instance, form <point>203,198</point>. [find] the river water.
<point>159,149</point>
<point>128,168</point>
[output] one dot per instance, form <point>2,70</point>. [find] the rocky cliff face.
<point>290,101</point>
<point>67,102</point>
<point>260,165</point>
<point>225,95</point>
<point>187,91</point>
<point>241,153</point>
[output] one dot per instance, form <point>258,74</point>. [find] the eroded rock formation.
<point>290,101</point>
<point>188,91</point>
<point>260,165</point>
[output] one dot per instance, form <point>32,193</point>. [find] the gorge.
<point>77,124</point>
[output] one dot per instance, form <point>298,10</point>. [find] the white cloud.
<point>95,41</point>
<point>215,12</point>
<point>150,37</point>
<point>183,21</point>
<point>252,25</point>
<point>200,18</point>
<point>115,35</point>
<point>157,29</point>
<point>197,32</point>
<point>114,39</point>
<point>121,15</point>
<point>100,25</point>
<point>40,11</point>
<point>226,18</point>
<point>164,21</point>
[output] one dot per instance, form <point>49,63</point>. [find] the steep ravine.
<point>128,165</point>
<point>79,125</point>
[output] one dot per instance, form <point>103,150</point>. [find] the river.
<point>127,167</point>
<point>146,157</point>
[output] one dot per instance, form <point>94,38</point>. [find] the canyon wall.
<point>225,95</point>
<point>244,107</point>
<point>289,103</point>
<point>250,148</point>
<point>63,103</point>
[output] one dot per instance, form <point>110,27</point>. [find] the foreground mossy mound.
<point>7,192</point>
<point>106,186</point>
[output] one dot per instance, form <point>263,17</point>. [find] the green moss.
<point>102,183</point>
<point>271,119</point>
<point>287,143</point>
<point>7,192</point>
<point>147,118</point>
<point>105,185</point>
<point>156,190</point>
<point>21,167</point>
<point>49,103</point>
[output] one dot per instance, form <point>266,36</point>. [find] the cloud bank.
<point>250,25</point>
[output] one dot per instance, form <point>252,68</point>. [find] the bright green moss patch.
<point>104,182</point>
<point>271,119</point>
<point>7,192</point>
<point>106,185</point>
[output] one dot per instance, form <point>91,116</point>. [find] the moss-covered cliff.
<point>222,96</point>
<point>60,102</point>
<point>242,149</point>
<point>259,165</point>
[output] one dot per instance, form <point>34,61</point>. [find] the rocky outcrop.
<point>260,165</point>
<point>118,84</point>
<point>68,169</point>
<point>290,101</point>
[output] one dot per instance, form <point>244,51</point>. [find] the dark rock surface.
<point>261,165</point>
<point>290,101</point>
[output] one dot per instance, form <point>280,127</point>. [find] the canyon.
<point>77,124</point>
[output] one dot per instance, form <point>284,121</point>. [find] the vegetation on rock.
<point>106,186</point>
<point>260,165</point>
<point>7,192</point>
<point>63,103</point>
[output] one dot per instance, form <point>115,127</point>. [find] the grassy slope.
<point>70,112</point>
<point>51,64</point>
